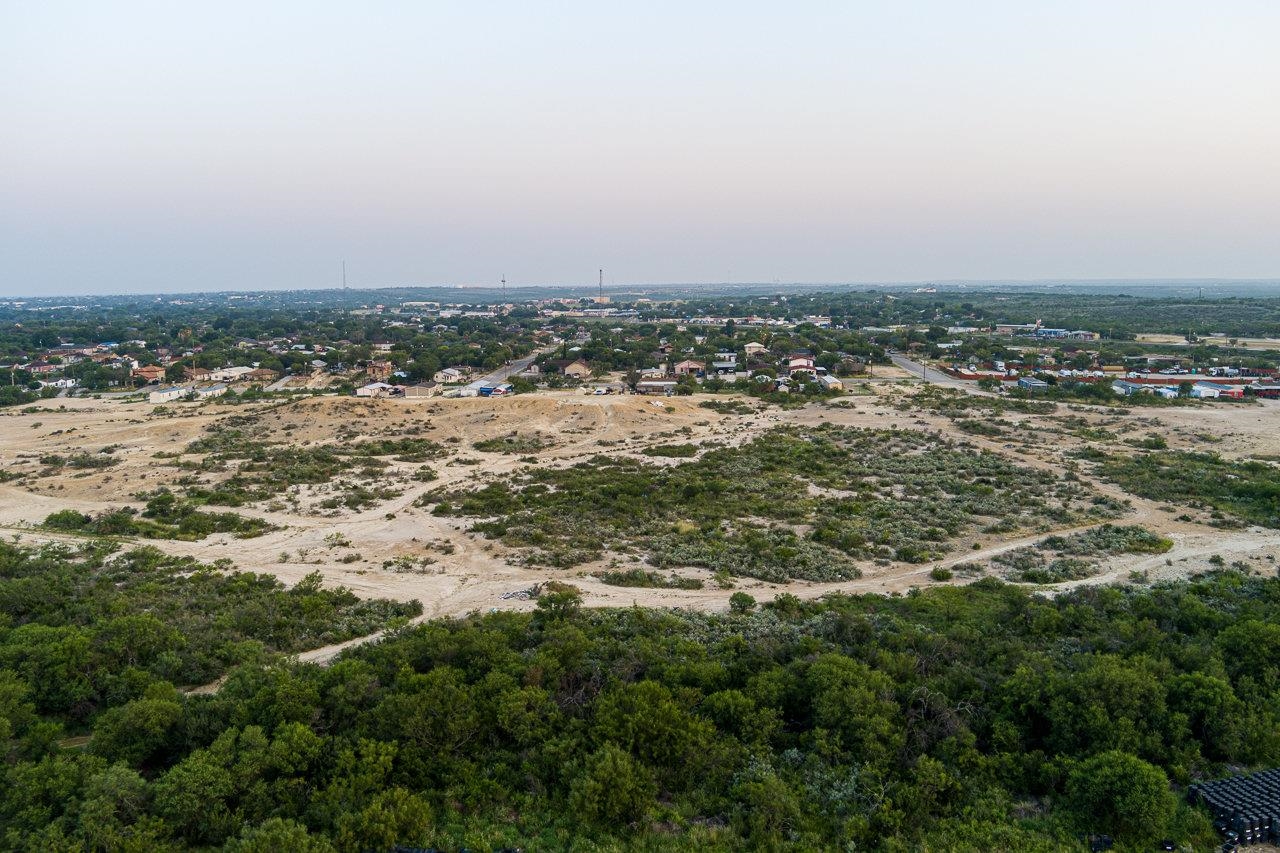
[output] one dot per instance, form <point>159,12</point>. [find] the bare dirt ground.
<point>457,572</point>
<point>1220,340</point>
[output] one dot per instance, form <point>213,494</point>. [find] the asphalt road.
<point>508,370</point>
<point>929,374</point>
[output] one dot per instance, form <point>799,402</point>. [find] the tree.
<point>135,731</point>
<point>394,817</point>
<point>741,602</point>
<point>1122,795</point>
<point>613,788</point>
<point>558,601</point>
<point>276,835</point>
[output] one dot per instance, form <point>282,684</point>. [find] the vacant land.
<point>458,502</point>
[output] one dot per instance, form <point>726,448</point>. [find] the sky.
<point>161,146</point>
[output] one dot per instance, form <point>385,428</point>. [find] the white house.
<point>830,383</point>
<point>377,389</point>
<point>210,391</point>
<point>1206,391</point>
<point>230,374</point>
<point>449,374</point>
<point>169,395</point>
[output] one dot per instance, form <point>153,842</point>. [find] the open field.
<point>391,545</point>
<point>1210,340</point>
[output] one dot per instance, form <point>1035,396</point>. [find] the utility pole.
<point>344,274</point>
<point>504,287</point>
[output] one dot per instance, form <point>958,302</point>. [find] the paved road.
<point>508,370</point>
<point>929,374</point>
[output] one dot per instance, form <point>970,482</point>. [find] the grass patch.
<point>1248,491</point>
<point>792,504</point>
<point>672,451</point>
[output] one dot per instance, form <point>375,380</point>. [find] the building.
<point>230,374</point>
<point>1269,391</point>
<point>689,367</point>
<point>754,348</point>
<point>209,391</point>
<point>423,389</point>
<point>197,374</point>
<point>379,369</point>
<point>378,389</point>
<point>1214,390</point>
<point>830,383</point>
<point>151,373</point>
<point>169,395</point>
<point>451,374</point>
<point>1031,384</point>
<point>797,363</point>
<point>656,386</point>
<point>578,369</point>
<point>1016,328</point>
<point>262,374</point>
<point>1123,387</point>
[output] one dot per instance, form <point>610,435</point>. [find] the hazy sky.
<point>183,146</point>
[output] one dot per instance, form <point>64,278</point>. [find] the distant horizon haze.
<point>154,147</point>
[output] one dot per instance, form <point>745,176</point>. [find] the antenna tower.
<point>601,283</point>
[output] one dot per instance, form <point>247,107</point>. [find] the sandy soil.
<point>1243,343</point>
<point>471,574</point>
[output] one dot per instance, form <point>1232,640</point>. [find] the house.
<point>423,389</point>
<point>41,367</point>
<point>729,357</point>
<point>830,383</point>
<point>262,374</point>
<point>209,391</point>
<point>1122,387</point>
<point>656,386</point>
<point>754,348</point>
<point>452,374</point>
<point>151,373</point>
<point>578,369</point>
<point>379,369</point>
<point>1031,384</point>
<point>230,374</point>
<point>852,364</point>
<point>197,374</point>
<point>800,362</point>
<point>169,394</point>
<point>653,372</point>
<point>378,389</point>
<point>1213,390</point>
<point>1260,389</point>
<point>689,367</point>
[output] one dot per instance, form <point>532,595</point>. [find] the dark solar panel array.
<point>1245,808</point>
